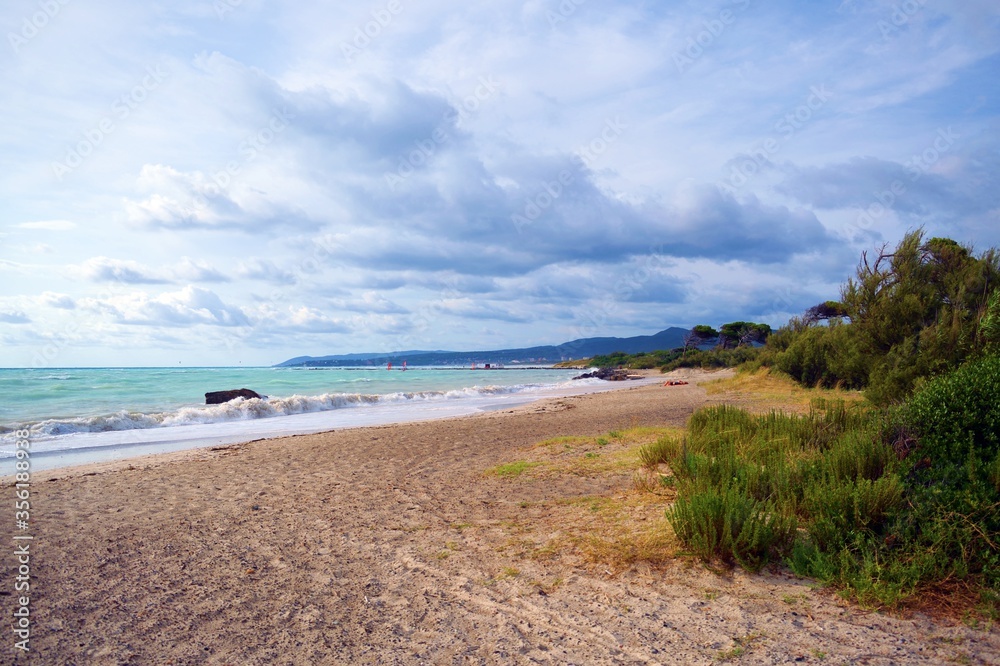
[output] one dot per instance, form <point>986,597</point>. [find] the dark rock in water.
<point>609,374</point>
<point>219,397</point>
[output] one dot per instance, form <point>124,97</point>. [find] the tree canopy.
<point>914,312</point>
<point>728,336</point>
<point>740,333</point>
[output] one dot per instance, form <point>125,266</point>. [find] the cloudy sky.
<point>242,181</point>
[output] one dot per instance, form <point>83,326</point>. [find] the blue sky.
<point>242,181</point>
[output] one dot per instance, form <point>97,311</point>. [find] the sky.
<point>228,182</point>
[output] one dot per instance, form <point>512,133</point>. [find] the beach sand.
<point>392,545</point>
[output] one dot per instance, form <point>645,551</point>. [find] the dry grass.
<point>612,531</point>
<point>512,469</point>
<point>615,453</point>
<point>773,390</point>
<point>629,526</point>
<point>631,539</point>
<point>569,442</point>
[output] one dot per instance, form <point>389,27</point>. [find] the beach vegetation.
<point>705,347</point>
<point>712,359</point>
<point>640,361</point>
<point>888,505</point>
<point>568,441</point>
<point>866,453</point>
<point>659,452</point>
<point>765,387</point>
<point>512,469</point>
<point>907,315</point>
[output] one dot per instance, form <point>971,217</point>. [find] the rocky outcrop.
<point>219,397</point>
<point>609,374</point>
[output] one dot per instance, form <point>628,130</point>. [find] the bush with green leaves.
<point>933,519</point>
<point>952,473</point>
<point>725,522</point>
<point>880,504</point>
<point>825,356</point>
<point>672,359</point>
<point>641,361</point>
<point>908,315</point>
<point>744,481</point>
<point>709,359</point>
<point>989,325</point>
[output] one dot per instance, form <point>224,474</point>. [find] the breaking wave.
<point>245,410</point>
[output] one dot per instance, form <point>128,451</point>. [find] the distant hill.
<point>581,348</point>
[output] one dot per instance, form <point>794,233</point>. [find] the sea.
<point>76,416</point>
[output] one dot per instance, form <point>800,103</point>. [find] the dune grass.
<point>612,532</point>
<point>770,387</point>
<point>512,469</point>
<point>839,495</point>
<point>816,480</point>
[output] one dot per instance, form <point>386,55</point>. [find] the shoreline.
<point>118,457</point>
<point>393,544</point>
<point>108,445</point>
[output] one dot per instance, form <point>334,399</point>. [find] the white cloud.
<point>14,317</point>
<point>261,269</point>
<point>370,302</point>
<point>60,301</point>
<point>48,225</point>
<point>311,320</point>
<point>193,270</point>
<point>273,319</point>
<point>358,197</point>
<point>188,307</point>
<point>104,269</point>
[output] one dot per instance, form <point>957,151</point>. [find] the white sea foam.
<point>242,409</point>
<point>62,442</point>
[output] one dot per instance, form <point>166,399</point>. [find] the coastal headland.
<point>514,536</point>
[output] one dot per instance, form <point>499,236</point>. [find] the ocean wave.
<point>244,410</point>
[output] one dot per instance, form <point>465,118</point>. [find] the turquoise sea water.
<point>62,401</point>
<point>90,410</point>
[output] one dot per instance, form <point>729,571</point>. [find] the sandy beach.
<point>396,545</point>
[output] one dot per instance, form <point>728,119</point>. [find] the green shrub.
<point>861,568</point>
<point>917,506</point>
<point>915,313</point>
<point>641,361</point>
<point>888,504</point>
<point>989,325</point>
<point>957,422</point>
<point>952,474</point>
<point>722,420</point>
<point>711,358</point>
<point>859,455</point>
<point>662,450</point>
<point>742,478</point>
<point>826,356</point>
<point>722,522</point>
<point>840,509</point>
